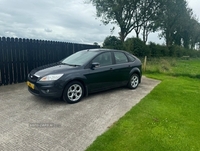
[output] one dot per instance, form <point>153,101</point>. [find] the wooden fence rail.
<point>19,56</point>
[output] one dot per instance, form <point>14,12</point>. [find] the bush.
<point>176,51</point>
<point>136,47</point>
<point>158,50</point>
<point>140,49</point>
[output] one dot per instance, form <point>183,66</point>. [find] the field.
<point>168,119</point>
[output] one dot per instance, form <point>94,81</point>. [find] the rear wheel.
<point>73,92</point>
<point>133,81</point>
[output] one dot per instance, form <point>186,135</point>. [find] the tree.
<point>112,42</point>
<point>120,12</point>
<point>127,14</point>
<point>146,14</point>
<point>148,27</point>
<point>173,12</point>
<point>194,32</point>
<point>183,29</point>
<point>95,43</point>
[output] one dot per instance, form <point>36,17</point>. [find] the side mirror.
<point>94,65</point>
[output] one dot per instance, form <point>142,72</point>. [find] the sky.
<point>60,20</point>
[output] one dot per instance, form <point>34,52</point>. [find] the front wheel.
<point>133,81</point>
<point>73,92</point>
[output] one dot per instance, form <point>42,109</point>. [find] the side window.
<point>120,57</point>
<point>131,58</point>
<point>103,59</point>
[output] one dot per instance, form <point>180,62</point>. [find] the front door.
<point>100,78</point>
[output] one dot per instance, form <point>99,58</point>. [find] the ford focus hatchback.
<point>85,72</point>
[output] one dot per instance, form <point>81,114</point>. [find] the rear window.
<point>120,57</point>
<point>131,57</point>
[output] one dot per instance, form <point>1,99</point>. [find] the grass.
<point>168,119</point>
<point>176,67</point>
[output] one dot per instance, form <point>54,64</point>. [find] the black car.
<point>85,72</point>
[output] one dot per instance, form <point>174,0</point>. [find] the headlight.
<point>51,77</point>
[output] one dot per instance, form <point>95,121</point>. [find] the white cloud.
<point>60,20</point>
<point>194,4</point>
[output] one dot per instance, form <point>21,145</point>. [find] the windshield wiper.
<point>74,65</point>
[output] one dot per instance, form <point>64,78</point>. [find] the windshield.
<point>79,58</point>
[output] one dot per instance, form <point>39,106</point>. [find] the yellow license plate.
<point>31,85</point>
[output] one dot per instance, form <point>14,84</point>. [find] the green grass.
<point>176,67</point>
<point>168,119</point>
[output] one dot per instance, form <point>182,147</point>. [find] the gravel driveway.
<point>33,123</point>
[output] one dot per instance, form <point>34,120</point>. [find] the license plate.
<point>31,85</point>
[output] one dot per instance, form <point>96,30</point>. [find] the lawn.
<point>168,119</point>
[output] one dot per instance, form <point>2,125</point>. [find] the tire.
<point>73,92</point>
<point>133,81</point>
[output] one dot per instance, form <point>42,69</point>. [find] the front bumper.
<point>49,89</point>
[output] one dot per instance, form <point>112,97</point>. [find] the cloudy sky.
<point>59,20</point>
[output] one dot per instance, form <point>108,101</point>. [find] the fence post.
<point>145,63</point>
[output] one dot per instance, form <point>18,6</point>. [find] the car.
<point>85,72</point>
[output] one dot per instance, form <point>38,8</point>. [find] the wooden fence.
<point>19,56</point>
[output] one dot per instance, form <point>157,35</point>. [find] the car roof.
<point>104,50</point>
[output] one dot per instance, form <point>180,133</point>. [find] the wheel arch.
<point>78,80</point>
<point>137,71</point>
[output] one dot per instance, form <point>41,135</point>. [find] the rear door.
<point>121,68</point>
